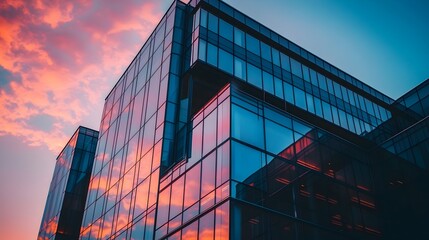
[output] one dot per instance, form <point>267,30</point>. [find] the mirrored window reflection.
<point>226,30</point>
<point>266,51</point>
<point>239,38</point>
<point>276,56</point>
<point>278,87</point>
<point>322,82</point>
<point>225,61</point>
<point>213,23</point>
<point>310,104</point>
<point>206,228</point>
<point>268,82</point>
<point>296,67</point>
<point>245,161</point>
<point>288,92</point>
<point>252,44</point>
<point>212,54</point>
<point>222,222</point>
<point>242,121</point>
<point>223,163</point>
<point>278,138</point>
<point>177,192</point>
<point>296,74</point>
<point>209,135</point>
<point>208,172</point>
<point>163,206</point>
<point>300,99</point>
<point>203,18</point>
<point>202,50</point>
<point>191,231</point>
<point>223,121</point>
<point>192,183</point>
<point>285,62</point>
<point>327,111</point>
<point>197,139</point>
<point>254,75</point>
<point>318,107</point>
<point>239,68</point>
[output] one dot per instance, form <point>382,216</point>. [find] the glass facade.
<point>222,129</point>
<point>69,187</point>
<point>275,70</point>
<point>136,137</point>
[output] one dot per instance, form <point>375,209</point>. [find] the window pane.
<point>252,44</point>
<point>335,115</point>
<point>225,30</point>
<point>322,82</point>
<point>306,74</point>
<point>296,67</point>
<point>350,122</point>
<point>300,99</point>
<point>192,183</point>
<point>191,231</point>
<point>343,119</point>
<point>209,135</point>
<point>327,111</point>
<point>203,18</point>
<point>310,105</point>
<point>213,23</point>
<point>268,82</point>
<point>223,121</point>
<point>176,203</point>
<point>337,89</point>
<point>278,84</point>
<point>318,107</point>
<point>245,161</point>
<point>266,51</point>
<point>196,20</point>
<point>212,54</point>
<point>208,172</point>
<point>163,204</point>
<point>206,230</point>
<point>222,170</point>
<point>239,68</point>
<point>247,126</point>
<point>202,50</point>
<point>239,37</point>
<point>276,57</point>
<point>254,75</point>
<point>285,61</point>
<point>288,92</point>
<point>222,222</point>
<point>225,61</point>
<point>313,77</point>
<point>330,86</point>
<point>197,140</point>
<point>278,137</point>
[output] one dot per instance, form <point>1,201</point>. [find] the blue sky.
<point>382,43</point>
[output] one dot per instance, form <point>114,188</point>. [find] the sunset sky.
<point>59,60</point>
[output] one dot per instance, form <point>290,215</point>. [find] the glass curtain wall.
<point>136,125</point>
<point>63,213</point>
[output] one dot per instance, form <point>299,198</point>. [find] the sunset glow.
<point>61,59</point>
<point>57,63</point>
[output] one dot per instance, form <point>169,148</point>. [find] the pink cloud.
<point>63,57</point>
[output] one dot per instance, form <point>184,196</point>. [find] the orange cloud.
<point>61,59</point>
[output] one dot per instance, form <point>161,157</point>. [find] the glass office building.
<point>222,129</point>
<point>69,187</point>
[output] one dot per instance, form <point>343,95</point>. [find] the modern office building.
<point>65,205</point>
<point>222,129</point>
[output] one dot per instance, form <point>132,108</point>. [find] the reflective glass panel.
<point>247,126</point>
